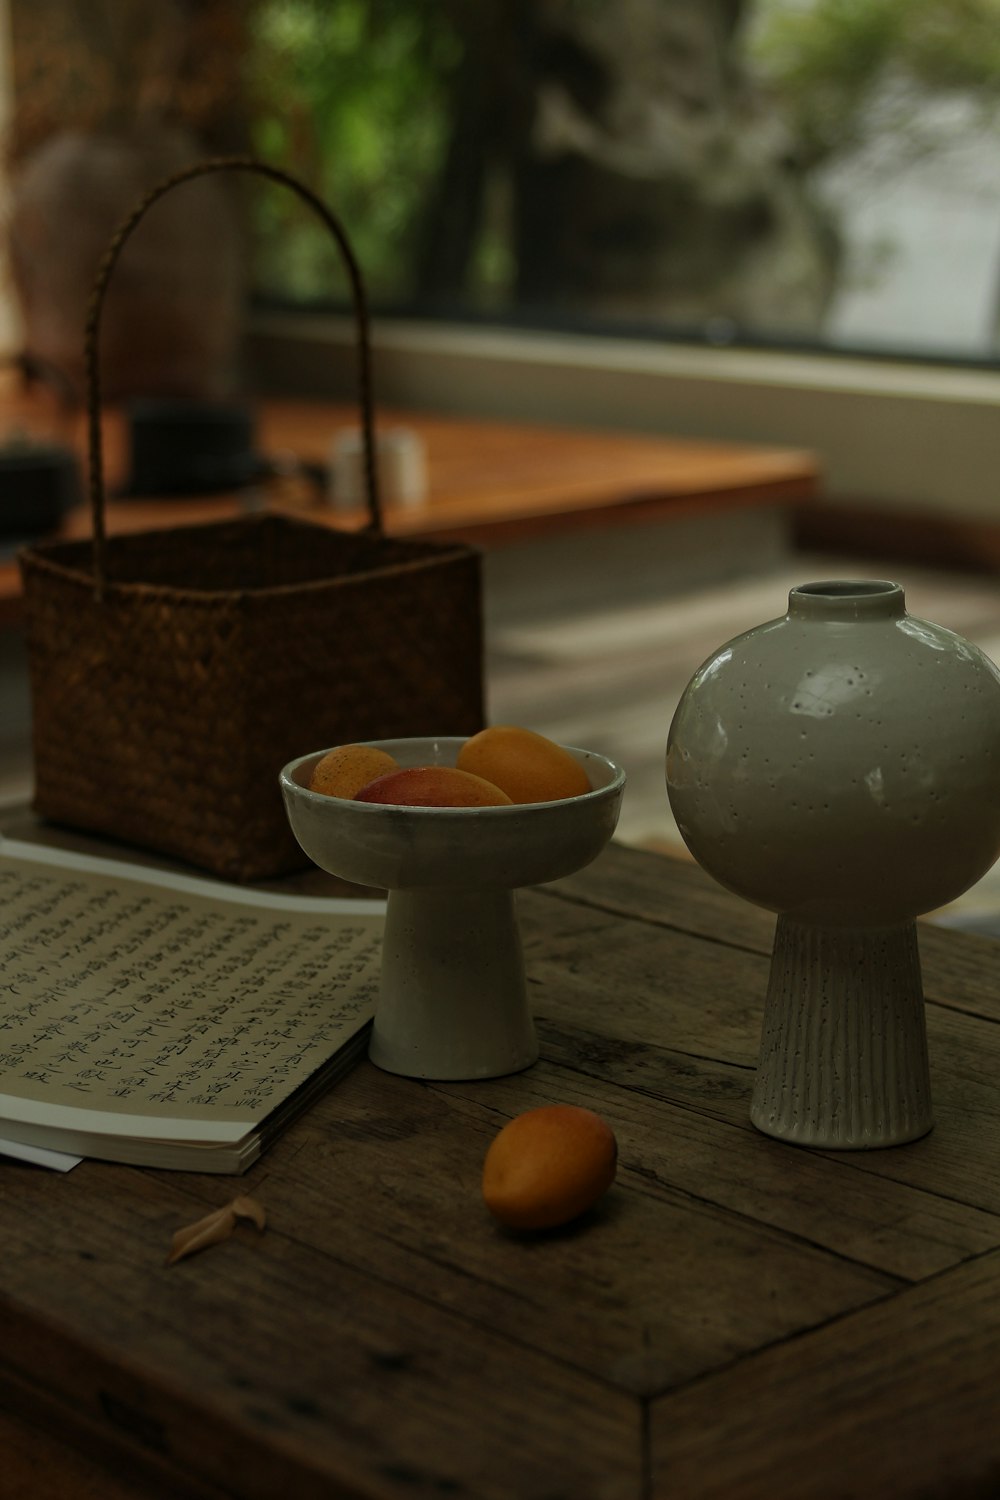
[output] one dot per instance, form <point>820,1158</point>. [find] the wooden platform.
<point>489,483</point>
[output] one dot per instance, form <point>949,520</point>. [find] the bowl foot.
<point>453,999</point>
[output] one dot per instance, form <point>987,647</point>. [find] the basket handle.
<point>111,254</point>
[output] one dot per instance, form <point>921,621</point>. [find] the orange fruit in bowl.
<point>432,786</point>
<point>342,772</point>
<point>526,765</point>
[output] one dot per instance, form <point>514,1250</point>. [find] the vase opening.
<point>847,598</point>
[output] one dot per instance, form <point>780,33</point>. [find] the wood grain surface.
<point>488,482</point>
<point>737,1318</point>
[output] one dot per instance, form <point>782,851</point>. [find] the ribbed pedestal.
<point>843,1053</point>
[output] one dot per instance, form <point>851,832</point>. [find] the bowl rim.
<point>596,793</point>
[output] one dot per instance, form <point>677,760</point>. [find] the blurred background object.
<point>401,459</point>
<point>108,98</point>
<point>188,447</point>
<point>39,483</point>
<point>798,174</point>
<point>793,173</point>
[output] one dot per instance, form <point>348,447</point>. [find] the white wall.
<point>898,436</point>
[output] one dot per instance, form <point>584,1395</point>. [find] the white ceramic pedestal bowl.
<point>452,995</point>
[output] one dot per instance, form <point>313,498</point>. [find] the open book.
<point>169,1021</point>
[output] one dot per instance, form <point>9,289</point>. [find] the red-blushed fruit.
<point>344,771</point>
<point>529,767</point>
<point>548,1165</point>
<point>432,786</point>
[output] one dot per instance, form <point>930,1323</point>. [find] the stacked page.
<point>166,1020</point>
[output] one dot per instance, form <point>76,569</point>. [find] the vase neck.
<point>847,599</point>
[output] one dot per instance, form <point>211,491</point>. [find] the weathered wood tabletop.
<point>738,1318</point>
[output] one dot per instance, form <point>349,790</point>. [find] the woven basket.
<point>173,673</point>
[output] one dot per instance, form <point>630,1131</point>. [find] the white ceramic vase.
<point>840,766</point>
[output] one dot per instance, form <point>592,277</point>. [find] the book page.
<point>128,996</point>
<point>38,1156</point>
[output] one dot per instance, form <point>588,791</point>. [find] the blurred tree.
<point>352,96</point>
<point>850,75</point>
<point>845,71</point>
<point>651,181</point>
<point>567,156</point>
<point>657,161</point>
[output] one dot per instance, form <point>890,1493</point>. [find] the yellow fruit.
<point>548,1165</point>
<point>344,771</point>
<point>432,786</point>
<point>526,765</point>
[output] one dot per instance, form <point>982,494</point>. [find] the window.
<point>809,174</point>
<point>771,220</point>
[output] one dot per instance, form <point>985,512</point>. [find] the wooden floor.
<point>591,639</point>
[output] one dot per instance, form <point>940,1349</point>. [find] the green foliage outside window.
<point>349,95</point>
<point>826,62</point>
<point>420,122</point>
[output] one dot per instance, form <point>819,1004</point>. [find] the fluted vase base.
<point>843,1053</point>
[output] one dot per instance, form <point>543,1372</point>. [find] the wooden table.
<point>489,482</point>
<point>739,1319</point>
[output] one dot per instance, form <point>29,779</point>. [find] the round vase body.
<point>841,765</point>
<point>173,319</point>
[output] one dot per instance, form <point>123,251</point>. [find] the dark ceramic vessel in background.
<point>39,483</point>
<point>184,447</point>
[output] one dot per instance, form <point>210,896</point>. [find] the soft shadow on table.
<point>21,823</point>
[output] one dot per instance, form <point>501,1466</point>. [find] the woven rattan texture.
<point>164,711</point>
<point>174,673</point>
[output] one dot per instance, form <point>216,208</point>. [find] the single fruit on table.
<point>529,767</point>
<point>548,1165</point>
<point>432,786</point>
<point>345,770</point>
